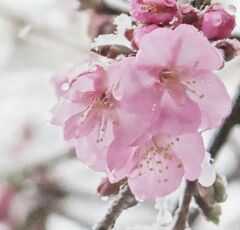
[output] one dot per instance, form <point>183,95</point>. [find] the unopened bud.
<point>230,48</point>
<point>214,214</point>
<point>108,189</point>
<point>220,190</point>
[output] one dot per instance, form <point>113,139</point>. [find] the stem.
<point>181,222</point>
<point>124,200</point>
<point>223,133</point>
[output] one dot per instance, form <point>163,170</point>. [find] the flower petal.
<point>189,55</point>
<point>211,96</point>
<point>156,177</point>
<point>157,48</point>
<point>189,148</point>
<point>179,113</point>
<point>77,127</point>
<point>174,45</point>
<point>120,161</point>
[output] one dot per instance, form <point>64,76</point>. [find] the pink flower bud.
<point>216,23</point>
<point>108,189</point>
<point>154,11</point>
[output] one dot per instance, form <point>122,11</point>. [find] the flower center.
<point>156,158</point>
<point>171,78</point>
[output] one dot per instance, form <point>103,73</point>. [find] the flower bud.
<point>216,23</point>
<point>108,189</point>
<point>220,190</point>
<point>230,48</point>
<point>154,11</point>
<point>214,214</point>
<point>189,15</point>
<point>206,193</point>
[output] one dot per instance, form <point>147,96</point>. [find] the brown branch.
<point>100,7</point>
<point>124,200</point>
<point>181,222</point>
<point>223,133</point>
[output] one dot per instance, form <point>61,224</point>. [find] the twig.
<point>223,133</point>
<point>181,222</point>
<point>101,7</point>
<point>124,200</point>
<point>200,4</point>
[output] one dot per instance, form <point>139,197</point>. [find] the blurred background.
<point>50,189</point>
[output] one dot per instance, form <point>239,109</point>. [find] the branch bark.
<point>181,222</point>
<point>223,133</point>
<point>124,200</point>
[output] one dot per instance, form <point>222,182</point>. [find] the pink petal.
<point>89,153</point>
<point>212,98</point>
<point>164,40</point>
<point>156,177</point>
<point>93,152</point>
<point>189,148</point>
<point>179,113</point>
<point>132,88</point>
<point>120,161</point>
<point>77,127</point>
<point>174,45</point>
<point>63,111</point>
<point>130,127</point>
<point>195,50</point>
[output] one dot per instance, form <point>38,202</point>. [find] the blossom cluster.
<point>140,115</point>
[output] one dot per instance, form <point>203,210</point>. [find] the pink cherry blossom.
<point>91,115</point>
<point>154,11</point>
<point>216,23</point>
<point>175,68</point>
<point>156,168</point>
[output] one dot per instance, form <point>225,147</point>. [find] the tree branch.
<point>124,200</point>
<point>181,222</point>
<point>223,133</point>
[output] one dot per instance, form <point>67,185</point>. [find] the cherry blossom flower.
<point>177,80</point>
<point>156,168</point>
<point>154,11</point>
<point>216,23</point>
<point>91,115</point>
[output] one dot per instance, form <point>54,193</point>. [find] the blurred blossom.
<point>6,197</point>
